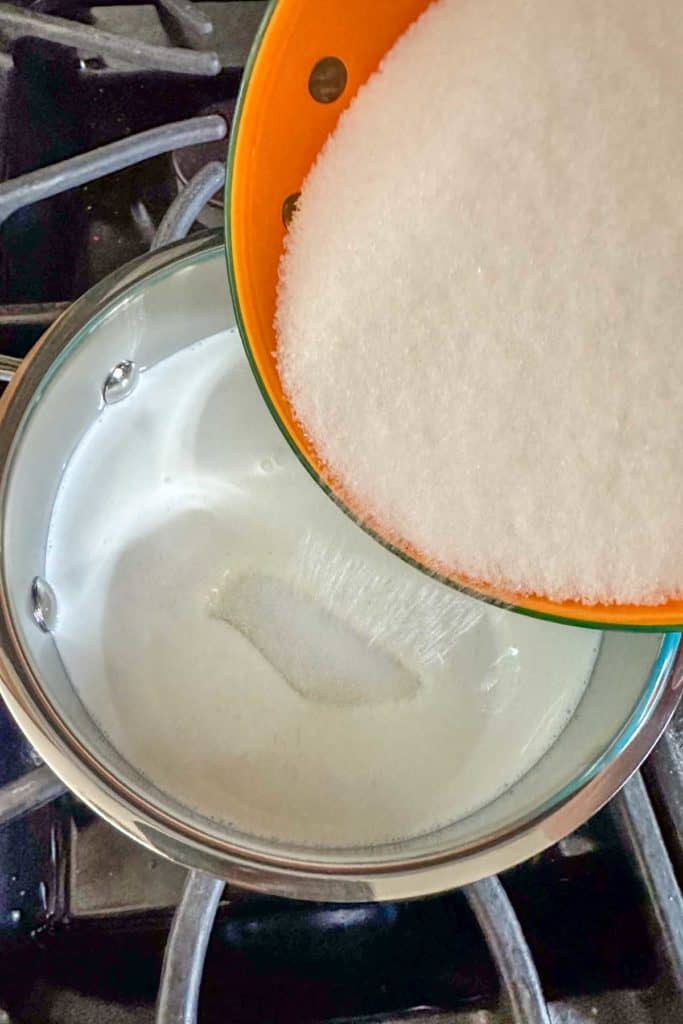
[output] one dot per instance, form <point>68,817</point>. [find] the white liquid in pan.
<point>254,654</point>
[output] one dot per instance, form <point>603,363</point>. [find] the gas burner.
<point>114,127</point>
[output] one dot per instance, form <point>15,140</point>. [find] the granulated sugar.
<point>254,654</point>
<point>481,297</point>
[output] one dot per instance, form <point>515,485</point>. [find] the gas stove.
<point>114,122</point>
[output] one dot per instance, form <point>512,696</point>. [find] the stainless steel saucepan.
<point>92,355</point>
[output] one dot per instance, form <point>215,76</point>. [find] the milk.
<point>255,655</point>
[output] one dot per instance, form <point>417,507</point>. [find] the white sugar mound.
<point>340,631</point>
<point>481,299</point>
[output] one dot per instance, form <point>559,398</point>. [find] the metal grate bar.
<point>185,209</point>
<point>8,367</point>
<point>31,313</point>
<point>641,835</point>
<point>188,16</point>
<point>509,949</point>
<point>28,793</point>
<point>420,1015</point>
<point>663,773</point>
<point>16,22</point>
<point>50,181</point>
<point>181,974</point>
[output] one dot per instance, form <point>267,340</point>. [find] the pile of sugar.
<point>481,298</point>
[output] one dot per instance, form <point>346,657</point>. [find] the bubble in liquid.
<point>271,463</point>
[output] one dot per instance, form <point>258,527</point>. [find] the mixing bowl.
<point>307,63</point>
<point>128,323</point>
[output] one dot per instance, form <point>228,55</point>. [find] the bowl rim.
<point>86,774</point>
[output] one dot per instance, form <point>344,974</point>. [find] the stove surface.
<point>84,913</point>
<point>591,917</point>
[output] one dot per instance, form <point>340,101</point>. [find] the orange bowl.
<point>308,61</point>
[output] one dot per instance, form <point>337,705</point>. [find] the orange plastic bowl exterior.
<point>279,129</point>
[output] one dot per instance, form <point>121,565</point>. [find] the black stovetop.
<point>84,913</point>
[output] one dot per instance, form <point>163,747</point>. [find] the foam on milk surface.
<point>480,303</point>
<point>253,653</point>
